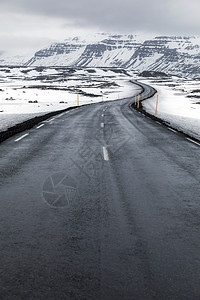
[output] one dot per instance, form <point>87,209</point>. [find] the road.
<point>100,203</point>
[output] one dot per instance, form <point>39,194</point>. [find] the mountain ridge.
<point>175,55</point>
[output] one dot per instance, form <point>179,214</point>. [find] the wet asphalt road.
<point>100,203</point>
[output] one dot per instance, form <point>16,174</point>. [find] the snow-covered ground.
<point>31,91</point>
<point>178,104</point>
<point>27,92</point>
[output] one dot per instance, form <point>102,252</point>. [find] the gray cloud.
<point>170,17</point>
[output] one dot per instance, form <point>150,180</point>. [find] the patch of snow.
<point>174,106</point>
<point>27,92</point>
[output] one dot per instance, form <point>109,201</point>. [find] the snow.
<point>107,50</point>
<point>174,106</point>
<point>12,58</point>
<point>60,59</point>
<point>147,63</point>
<point>99,37</point>
<point>56,89</point>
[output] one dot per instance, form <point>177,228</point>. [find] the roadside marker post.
<point>138,104</point>
<point>156,107</point>
<point>78,99</point>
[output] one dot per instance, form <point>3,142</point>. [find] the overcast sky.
<point>33,24</point>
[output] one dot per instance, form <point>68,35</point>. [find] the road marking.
<point>51,119</point>
<point>40,126</point>
<point>105,154</point>
<point>158,123</point>
<point>172,129</point>
<point>102,115</point>
<point>67,112</point>
<point>20,138</point>
<point>60,116</point>
<point>102,125</point>
<point>193,141</point>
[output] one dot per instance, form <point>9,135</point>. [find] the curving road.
<point>100,203</point>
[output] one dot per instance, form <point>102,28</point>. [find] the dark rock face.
<point>60,48</point>
<point>172,55</point>
<point>153,74</point>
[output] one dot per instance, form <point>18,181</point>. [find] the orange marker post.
<point>138,104</point>
<point>78,99</point>
<point>156,107</point>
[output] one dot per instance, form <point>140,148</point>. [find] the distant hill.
<point>176,55</point>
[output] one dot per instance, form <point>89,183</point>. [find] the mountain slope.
<point>173,55</point>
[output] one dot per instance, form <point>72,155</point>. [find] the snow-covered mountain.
<point>173,55</point>
<point>15,58</point>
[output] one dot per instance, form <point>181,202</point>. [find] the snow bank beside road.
<point>178,103</point>
<point>29,92</point>
<point>9,120</point>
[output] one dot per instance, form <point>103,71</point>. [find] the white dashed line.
<point>105,154</point>
<point>102,115</point>
<point>40,126</point>
<point>158,123</point>
<point>20,138</point>
<point>193,141</point>
<point>51,119</point>
<point>172,129</point>
<point>67,112</point>
<point>102,125</point>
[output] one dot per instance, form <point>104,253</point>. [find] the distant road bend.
<point>100,202</point>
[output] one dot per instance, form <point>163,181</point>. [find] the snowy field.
<point>31,91</point>
<point>27,92</point>
<point>179,102</point>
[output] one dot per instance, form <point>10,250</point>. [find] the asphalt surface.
<point>100,203</point>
